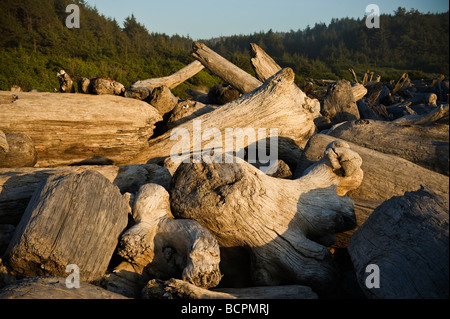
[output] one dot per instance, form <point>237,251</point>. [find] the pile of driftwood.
<point>357,206</point>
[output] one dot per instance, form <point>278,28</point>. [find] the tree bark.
<point>413,227</point>
<point>285,223</point>
<point>18,185</point>
<point>78,128</point>
<point>274,105</point>
<point>76,219</point>
<point>173,80</point>
<point>227,71</point>
<point>427,146</point>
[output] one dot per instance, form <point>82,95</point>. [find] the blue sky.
<point>204,19</point>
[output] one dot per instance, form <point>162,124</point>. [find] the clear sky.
<point>204,19</point>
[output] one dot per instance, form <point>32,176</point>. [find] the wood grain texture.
<point>79,128</point>
<point>407,238</point>
<point>75,219</point>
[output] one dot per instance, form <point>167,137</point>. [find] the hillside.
<point>35,44</point>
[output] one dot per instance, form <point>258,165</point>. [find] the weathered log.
<point>162,99</point>
<point>227,71</point>
<point>284,223</point>
<point>70,220</point>
<point>437,115</point>
<point>173,80</point>
<point>339,104</point>
<point>384,176</point>
<point>4,147</point>
<point>407,239</point>
<point>79,128</point>
<point>198,96</point>
<point>359,91</point>
<point>400,83</point>
<point>54,288</point>
<point>21,151</point>
<point>18,185</point>
<point>178,289</point>
<point>276,104</point>
<point>427,146</point>
<point>186,110</point>
<point>163,247</point>
<point>222,94</point>
<point>102,86</point>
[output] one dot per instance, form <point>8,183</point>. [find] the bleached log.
<point>172,80</point>
<point>276,104</point>
<point>227,71</point>
<point>79,128</point>
<point>161,247</point>
<point>286,224</point>
<point>70,220</point>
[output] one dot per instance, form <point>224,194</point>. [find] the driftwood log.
<point>287,224</point>
<point>20,151</point>
<point>18,185</point>
<point>54,288</point>
<point>427,146</point>
<point>70,220</point>
<point>385,176</point>
<point>172,80</point>
<point>79,128</point>
<point>178,289</point>
<point>227,71</point>
<point>276,104</point>
<point>407,239</point>
<point>161,247</point>
<point>339,104</point>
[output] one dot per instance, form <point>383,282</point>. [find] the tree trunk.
<point>427,146</point>
<point>70,220</point>
<point>384,176</point>
<point>285,223</point>
<point>227,71</point>
<point>18,185</point>
<point>274,105</point>
<point>78,128</point>
<point>407,239</point>
<point>173,80</point>
<point>178,289</point>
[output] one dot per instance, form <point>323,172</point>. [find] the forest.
<point>35,44</point>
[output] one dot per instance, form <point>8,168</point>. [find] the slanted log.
<point>18,185</point>
<point>286,224</point>
<point>385,176</point>
<point>407,239</point>
<point>75,219</point>
<point>78,128</point>
<point>172,80</point>
<point>439,114</point>
<point>276,104</point>
<point>227,71</point>
<point>54,288</point>
<point>161,247</point>
<point>178,289</point>
<point>21,151</point>
<point>427,146</point>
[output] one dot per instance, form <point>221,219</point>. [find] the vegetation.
<point>35,44</point>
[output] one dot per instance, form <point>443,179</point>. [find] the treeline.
<point>35,44</point>
<point>406,41</point>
